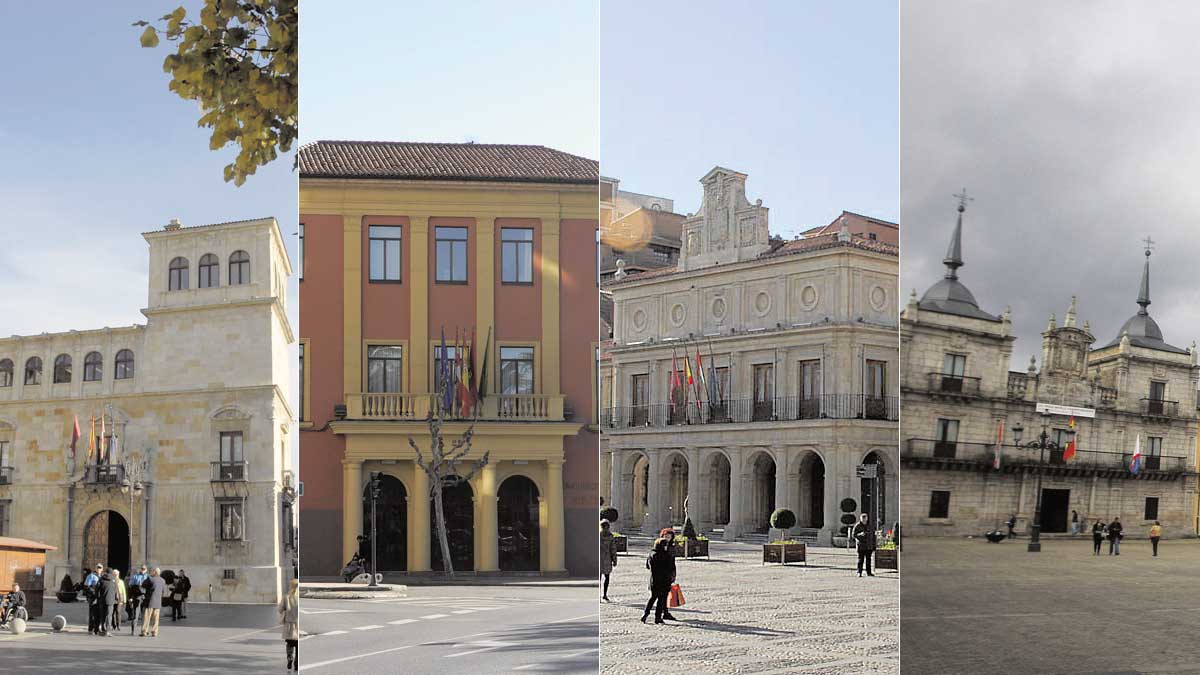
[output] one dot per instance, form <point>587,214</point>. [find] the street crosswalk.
<point>443,607</point>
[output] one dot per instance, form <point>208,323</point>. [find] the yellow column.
<point>487,554</point>
<point>485,280</point>
<point>352,302</point>
<point>352,515</point>
<point>418,521</point>
<point>550,306</point>
<point>418,265</point>
<point>556,539</point>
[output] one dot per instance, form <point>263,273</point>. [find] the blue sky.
<point>490,72</point>
<point>802,96</point>
<point>96,152</point>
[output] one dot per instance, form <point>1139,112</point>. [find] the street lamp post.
<point>374,490</point>
<point>1041,444</point>
<point>133,489</point>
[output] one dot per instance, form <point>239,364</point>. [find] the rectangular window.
<point>954,365</point>
<point>301,366</point>
<point>516,255</point>
<point>384,368</point>
<point>452,362</point>
<point>300,254</point>
<point>384,244</point>
<point>1151,509</point>
<point>639,392</point>
<point>5,507</point>
<point>1158,391</point>
<point>516,370</point>
<point>1153,458</point>
<point>722,383</point>
<point>939,504</point>
<point>451,247</point>
<point>232,520</point>
<point>946,443</point>
<point>5,458</point>
<point>810,379</point>
<point>876,381</point>
<point>231,447</point>
<point>764,391</point>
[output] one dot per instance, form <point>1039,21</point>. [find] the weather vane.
<point>962,199</point>
<point>1149,245</point>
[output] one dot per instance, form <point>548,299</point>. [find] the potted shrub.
<point>620,541</point>
<point>66,590</point>
<point>689,543</point>
<point>784,550</point>
<point>887,557</point>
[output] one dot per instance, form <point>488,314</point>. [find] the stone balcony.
<point>417,407</point>
<point>738,411</point>
<point>927,453</point>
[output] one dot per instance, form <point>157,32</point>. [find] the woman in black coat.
<point>661,564</point>
<point>1097,537</point>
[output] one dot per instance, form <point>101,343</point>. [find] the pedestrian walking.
<point>864,539</point>
<point>1075,522</point>
<point>90,584</point>
<point>106,596</point>
<point>1155,535</point>
<point>155,587</point>
<point>1012,522</point>
<point>183,587</point>
<point>122,597</point>
<point>1114,537</point>
<point>1097,536</point>
<point>289,615</point>
<point>661,563</point>
<point>608,556</point>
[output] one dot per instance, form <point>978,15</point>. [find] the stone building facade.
<point>963,473</point>
<point>191,467</point>
<point>801,337</point>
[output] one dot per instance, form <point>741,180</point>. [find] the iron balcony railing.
<point>6,475</point>
<point>1153,407</point>
<point>406,406</point>
<point>230,471</point>
<point>738,411</point>
<point>104,474</point>
<point>985,453</point>
<point>954,384</point>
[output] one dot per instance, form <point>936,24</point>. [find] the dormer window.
<point>177,275</point>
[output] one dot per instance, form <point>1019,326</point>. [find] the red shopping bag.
<point>675,597</point>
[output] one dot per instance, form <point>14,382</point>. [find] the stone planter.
<point>888,559</point>
<point>840,542</point>
<point>620,543</point>
<point>67,596</point>
<point>785,553</point>
<point>691,548</point>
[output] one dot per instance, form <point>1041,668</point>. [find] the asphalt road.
<point>213,639</point>
<point>970,607</point>
<point>467,629</point>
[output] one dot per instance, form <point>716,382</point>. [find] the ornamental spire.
<point>953,259</point>
<point>1144,291</point>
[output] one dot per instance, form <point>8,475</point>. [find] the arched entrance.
<point>812,491</point>
<point>517,513</point>
<point>762,492</point>
<point>106,541</point>
<point>391,530</point>
<point>872,503</point>
<point>641,491</point>
<point>459,509</point>
<point>677,485</point>
<point>718,489</point>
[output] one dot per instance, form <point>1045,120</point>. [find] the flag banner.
<point>103,445</point>
<point>75,436</point>
<point>703,378</point>
<point>674,395</point>
<point>999,444</point>
<point>483,368</point>
<point>1135,463</point>
<point>92,439</point>
<point>1069,451</point>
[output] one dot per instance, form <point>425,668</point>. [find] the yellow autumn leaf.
<point>149,38</point>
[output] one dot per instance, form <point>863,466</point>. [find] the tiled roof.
<point>835,225</point>
<point>198,227</point>
<point>782,249</point>
<point>444,161</point>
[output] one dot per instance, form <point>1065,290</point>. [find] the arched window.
<point>124,364</point>
<point>239,268</point>
<point>93,367</point>
<point>6,373</point>
<point>178,275</point>
<point>62,369</point>
<point>209,271</point>
<point>33,370</point>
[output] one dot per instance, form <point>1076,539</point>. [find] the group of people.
<point>142,596</point>
<point>661,563</point>
<point>1114,532</point>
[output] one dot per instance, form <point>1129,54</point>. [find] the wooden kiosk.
<point>24,562</point>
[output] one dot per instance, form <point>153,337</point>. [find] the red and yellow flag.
<point>1069,451</point>
<point>92,439</point>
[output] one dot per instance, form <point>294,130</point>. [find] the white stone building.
<point>191,467</point>
<point>802,338</point>
<point>961,405</point>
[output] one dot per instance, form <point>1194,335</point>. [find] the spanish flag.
<point>92,439</point>
<point>1069,451</point>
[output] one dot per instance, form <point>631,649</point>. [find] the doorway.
<point>106,541</point>
<point>1055,510</point>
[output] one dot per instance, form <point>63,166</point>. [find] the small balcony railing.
<point>985,454</point>
<point>395,406</point>
<point>6,475</point>
<point>744,410</point>
<point>1018,384</point>
<point>1153,407</point>
<point>104,474</point>
<point>958,385</point>
<point>230,471</point>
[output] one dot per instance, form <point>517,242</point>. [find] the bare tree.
<point>440,467</point>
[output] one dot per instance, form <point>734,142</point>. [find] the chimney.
<point>173,225</point>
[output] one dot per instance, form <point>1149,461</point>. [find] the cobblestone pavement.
<point>744,617</point>
<point>974,607</point>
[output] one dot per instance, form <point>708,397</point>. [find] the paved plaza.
<point>974,607</point>
<point>744,617</point>
<point>215,638</point>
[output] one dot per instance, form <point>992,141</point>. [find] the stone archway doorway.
<point>106,541</point>
<point>458,505</point>
<point>391,530</point>
<point>762,492</point>
<point>517,513</point>
<point>677,489</point>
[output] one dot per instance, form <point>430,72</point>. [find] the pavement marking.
<point>462,611</point>
<point>484,646</point>
<point>325,611</point>
<point>334,632</point>
<point>243,635</point>
<point>320,664</point>
<point>401,622</point>
<point>371,627</point>
<point>435,616</point>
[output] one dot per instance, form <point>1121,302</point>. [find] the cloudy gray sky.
<point>1076,127</point>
